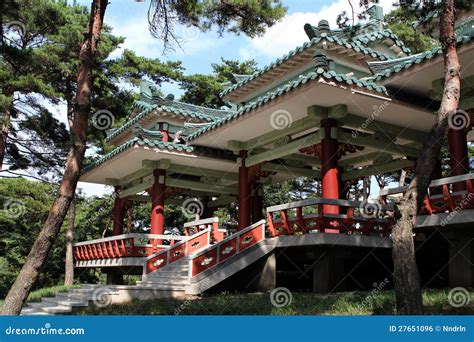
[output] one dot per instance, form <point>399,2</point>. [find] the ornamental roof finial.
<point>321,62</point>
<point>323,27</point>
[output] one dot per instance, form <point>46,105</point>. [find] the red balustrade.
<point>122,246</point>
<point>307,216</point>
<point>441,197</point>
<point>217,234</point>
<point>225,249</point>
<point>192,244</point>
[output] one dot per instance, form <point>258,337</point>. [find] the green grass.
<point>347,303</point>
<point>46,292</point>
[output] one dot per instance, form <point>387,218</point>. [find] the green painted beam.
<point>163,164</point>
<point>137,188</point>
<point>181,183</point>
<point>196,171</point>
<point>135,175</point>
<point>377,144</point>
<point>337,112</point>
<point>360,159</point>
<point>377,169</point>
<point>360,123</point>
<point>267,138</point>
<point>289,170</point>
<point>284,150</point>
<point>307,160</point>
<point>112,181</point>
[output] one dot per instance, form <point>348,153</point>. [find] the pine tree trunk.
<point>69,264</point>
<point>406,277</point>
<point>41,247</point>
<point>5,129</point>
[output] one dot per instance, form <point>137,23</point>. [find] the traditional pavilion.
<point>343,106</point>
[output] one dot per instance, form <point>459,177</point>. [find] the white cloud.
<point>289,33</point>
<point>140,40</point>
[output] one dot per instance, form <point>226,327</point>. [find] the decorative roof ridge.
<point>312,75</point>
<point>147,108</point>
<point>386,32</point>
<point>417,59</point>
<point>324,36</point>
<point>148,142</point>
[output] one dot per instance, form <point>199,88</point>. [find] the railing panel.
<point>230,246</point>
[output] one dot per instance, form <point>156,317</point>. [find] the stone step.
<point>33,312</point>
<point>66,301</point>
<point>168,277</point>
<point>51,308</point>
<point>163,287</point>
<point>169,273</point>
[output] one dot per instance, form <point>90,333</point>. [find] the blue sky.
<point>129,19</point>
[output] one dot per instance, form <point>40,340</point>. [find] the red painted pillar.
<point>244,193</point>
<point>257,202</point>
<point>118,212</point>
<point>158,202</point>
<point>458,155</point>
<point>329,170</point>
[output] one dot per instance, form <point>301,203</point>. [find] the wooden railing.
<point>217,234</point>
<point>441,195</point>
<point>123,246</point>
<point>307,216</point>
<point>191,244</point>
<point>225,249</point>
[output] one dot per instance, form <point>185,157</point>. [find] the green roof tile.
<point>284,89</point>
<point>314,41</point>
<point>176,107</point>
<point>142,142</point>
<point>389,68</point>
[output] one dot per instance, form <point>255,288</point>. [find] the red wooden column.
<point>257,202</point>
<point>329,171</point>
<point>458,155</point>
<point>118,212</point>
<point>157,193</point>
<point>244,193</point>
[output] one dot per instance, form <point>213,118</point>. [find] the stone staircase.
<point>63,303</point>
<point>172,277</point>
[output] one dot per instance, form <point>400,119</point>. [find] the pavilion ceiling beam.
<point>360,123</point>
<point>137,188</point>
<point>140,198</point>
<point>378,169</point>
<point>378,144</point>
<point>284,150</point>
<point>193,185</point>
<point>290,170</point>
<point>197,171</point>
<point>267,138</point>
<point>307,160</point>
<point>362,158</point>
